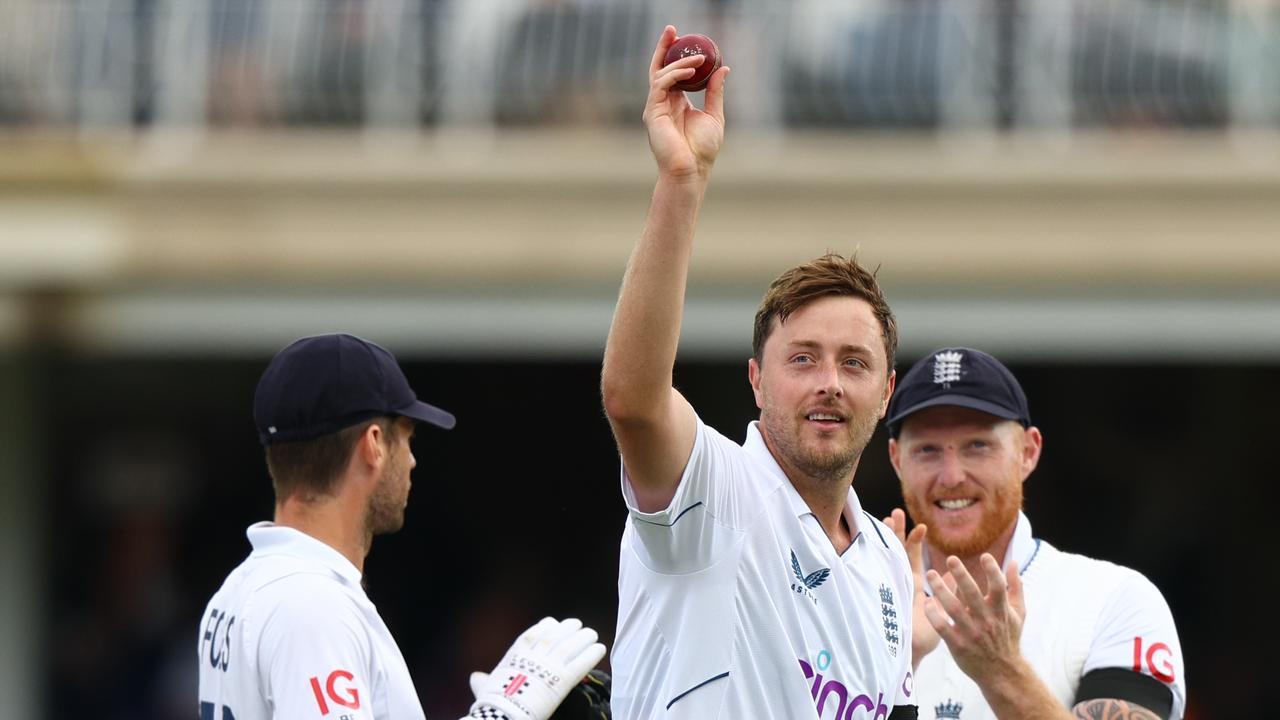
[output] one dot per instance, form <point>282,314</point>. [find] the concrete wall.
<point>561,207</point>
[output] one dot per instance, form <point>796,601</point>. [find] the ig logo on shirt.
<point>345,695</point>
<point>1157,660</point>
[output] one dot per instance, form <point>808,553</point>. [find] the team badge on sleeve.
<point>1156,660</point>
<point>339,688</point>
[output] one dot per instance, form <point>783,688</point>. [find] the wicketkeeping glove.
<point>542,666</point>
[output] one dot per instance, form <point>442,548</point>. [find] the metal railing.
<point>930,64</point>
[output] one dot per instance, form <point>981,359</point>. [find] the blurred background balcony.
<point>397,64</point>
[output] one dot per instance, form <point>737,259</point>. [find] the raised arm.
<point>654,425</point>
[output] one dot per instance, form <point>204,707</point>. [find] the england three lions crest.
<point>889,613</point>
<point>947,710</point>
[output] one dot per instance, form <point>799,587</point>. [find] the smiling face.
<point>822,384</point>
<point>961,472</point>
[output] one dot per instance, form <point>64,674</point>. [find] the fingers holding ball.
<point>690,45</point>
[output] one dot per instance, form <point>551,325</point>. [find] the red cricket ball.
<point>694,44</point>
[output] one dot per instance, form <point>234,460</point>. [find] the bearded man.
<point>1040,633</point>
<point>291,632</point>
<point>751,583</point>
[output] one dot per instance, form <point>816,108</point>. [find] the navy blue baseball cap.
<point>963,377</point>
<point>322,384</point>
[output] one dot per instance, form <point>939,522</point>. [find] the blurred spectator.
<point>327,84</point>
<point>562,61</point>
<point>236,74</point>
<point>861,65</point>
<point>1146,63</point>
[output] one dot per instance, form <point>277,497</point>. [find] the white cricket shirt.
<point>291,634</point>
<point>1082,615</point>
<point>734,604</point>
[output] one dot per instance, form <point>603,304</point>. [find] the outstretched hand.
<point>542,666</point>
<point>981,631</point>
<point>923,637</point>
<point>685,140</point>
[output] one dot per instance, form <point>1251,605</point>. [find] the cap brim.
<point>429,414</point>
<point>963,401</point>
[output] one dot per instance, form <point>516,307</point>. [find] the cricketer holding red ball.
<point>751,583</point>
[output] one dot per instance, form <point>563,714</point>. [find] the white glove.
<point>539,670</point>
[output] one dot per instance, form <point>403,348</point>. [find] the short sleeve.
<point>1136,632</point>
<point>716,497</point>
<point>316,659</point>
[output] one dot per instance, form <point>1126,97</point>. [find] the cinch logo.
<point>1164,673</point>
<point>835,693</point>
<point>807,582</point>
<point>347,696</point>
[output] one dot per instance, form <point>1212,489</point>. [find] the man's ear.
<point>893,456</point>
<point>753,377</point>
<point>888,393</point>
<point>1032,444</point>
<point>371,448</point>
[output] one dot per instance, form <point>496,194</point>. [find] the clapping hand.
<point>982,631</point>
<point>923,637</point>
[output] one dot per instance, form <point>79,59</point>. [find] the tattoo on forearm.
<point>1111,709</point>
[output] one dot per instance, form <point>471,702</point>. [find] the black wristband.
<point>904,712</point>
<point>1127,685</point>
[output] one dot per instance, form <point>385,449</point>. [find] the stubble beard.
<point>385,512</point>
<point>834,466</point>
<point>1000,514</point>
